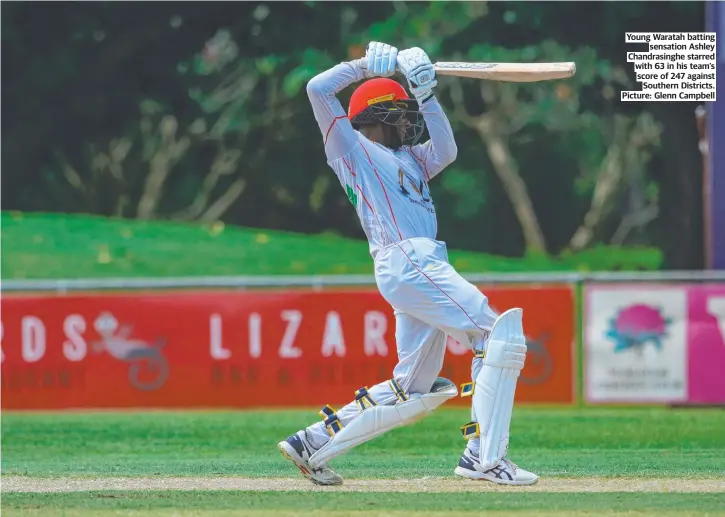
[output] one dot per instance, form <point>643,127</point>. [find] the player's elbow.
<point>454,152</point>
<point>314,88</point>
<point>449,155</point>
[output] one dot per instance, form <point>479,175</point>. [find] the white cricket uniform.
<point>389,190</point>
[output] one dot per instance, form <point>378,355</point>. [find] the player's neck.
<point>382,135</point>
<point>375,133</point>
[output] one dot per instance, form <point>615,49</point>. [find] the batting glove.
<point>380,59</point>
<point>415,65</point>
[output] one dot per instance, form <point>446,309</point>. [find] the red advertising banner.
<point>216,349</point>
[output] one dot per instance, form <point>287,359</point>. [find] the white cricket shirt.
<point>389,189</point>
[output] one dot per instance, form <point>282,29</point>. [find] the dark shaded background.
<point>197,111</point>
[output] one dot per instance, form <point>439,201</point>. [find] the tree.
<point>198,112</point>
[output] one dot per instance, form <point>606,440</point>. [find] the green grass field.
<point>75,246</point>
<point>631,461</point>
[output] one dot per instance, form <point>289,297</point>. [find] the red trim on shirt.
<point>331,125</point>
<point>385,192</point>
<point>366,201</point>
<point>421,163</point>
<point>349,168</point>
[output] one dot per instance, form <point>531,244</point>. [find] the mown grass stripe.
<point>219,500</point>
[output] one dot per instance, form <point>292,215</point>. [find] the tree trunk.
<point>507,170</point>
<point>226,200</point>
<point>170,152</point>
<point>608,180</point>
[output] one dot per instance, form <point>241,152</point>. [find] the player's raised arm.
<point>441,149</point>
<point>339,136</point>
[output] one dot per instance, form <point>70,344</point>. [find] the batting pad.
<point>377,420</point>
<point>495,385</point>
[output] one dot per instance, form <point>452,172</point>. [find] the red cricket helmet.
<point>383,100</point>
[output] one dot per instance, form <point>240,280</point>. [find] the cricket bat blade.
<point>507,72</point>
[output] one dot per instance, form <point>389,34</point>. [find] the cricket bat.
<point>505,72</point>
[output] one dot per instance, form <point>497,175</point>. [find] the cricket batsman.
<point>375,152</point>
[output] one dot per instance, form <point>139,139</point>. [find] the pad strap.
<point>402,397</point>
<point>470,430</point>
<point>331,421</point>
<point>467,389</point>
<point>363,399</point>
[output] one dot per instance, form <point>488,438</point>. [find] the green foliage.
<point>466,188</point>
<point>616,258</point>
<point>410,26</point>
<point>189,113</point>
<point>311,63</point>
<point>55,246</point>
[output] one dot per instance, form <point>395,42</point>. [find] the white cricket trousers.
<point>430,301</point>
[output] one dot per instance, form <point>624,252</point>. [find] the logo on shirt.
<point>351,195</point>
<point>419,187</point>
<point>433,266</point>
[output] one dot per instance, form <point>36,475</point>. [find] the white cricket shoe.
<point>298,450</point>
<point>505,473</point>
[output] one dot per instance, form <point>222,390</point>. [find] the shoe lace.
<point>511,464</point>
